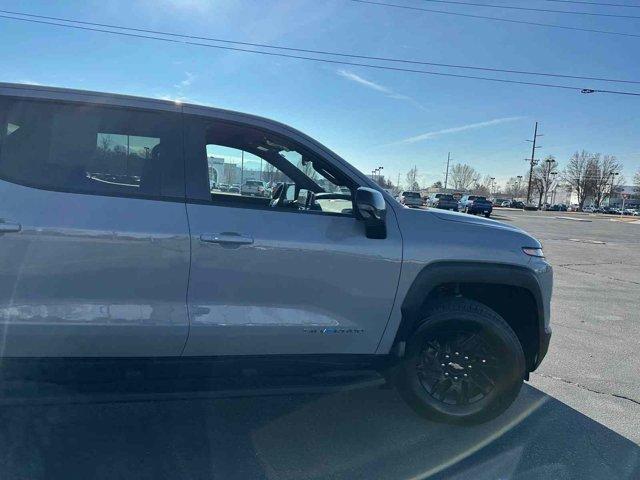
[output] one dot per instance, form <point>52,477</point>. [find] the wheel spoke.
<point>483,382</point>
<point>440,388</point>
<point>459,366</point>
<point>463,393</point>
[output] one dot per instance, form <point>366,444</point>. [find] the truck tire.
<point>462,365</point>
<point>487,214</point>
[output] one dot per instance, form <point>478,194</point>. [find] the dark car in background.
<point>557,208</point>
<point>443,201</point>
<point>516,204</point>
<point>476,204</point>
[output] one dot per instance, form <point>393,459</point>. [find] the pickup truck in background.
<point>443,201</point>
<point>476,204</point>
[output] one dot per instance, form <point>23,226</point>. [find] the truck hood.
<point>466,218</point>
<point>434,235</point>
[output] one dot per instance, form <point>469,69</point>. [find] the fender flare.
<point>444,272</point>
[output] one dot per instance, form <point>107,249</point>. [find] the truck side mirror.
<point>371,208</point>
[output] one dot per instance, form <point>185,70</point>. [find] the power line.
<point>498,19</point>
<point>595,3</point>
<point>532,9</point>
<point>323,52</point>
<point>321,60</point>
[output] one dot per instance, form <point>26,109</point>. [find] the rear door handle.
<point>10,227</point>
<point>226,238</point>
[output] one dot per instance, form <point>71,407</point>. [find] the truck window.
<point>85,149</point>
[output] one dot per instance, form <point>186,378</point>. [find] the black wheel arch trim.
<point>446,272</point>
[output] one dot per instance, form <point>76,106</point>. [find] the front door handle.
<point>226,238</point>
<point>10,227</point>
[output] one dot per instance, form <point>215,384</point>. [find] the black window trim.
<point>189,142</point>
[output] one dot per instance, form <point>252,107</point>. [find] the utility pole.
<point>398,184</point>
<point>446,175</point>
<point>533,160</point>
<point>241,170</point>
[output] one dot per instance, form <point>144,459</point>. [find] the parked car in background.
<point>476,204</point>
<point>506,203</point>
<point>254,188</point>
<point>558,207</point>
<point>589,209</point>
<point>410,199</point>
<point>628,211</point>
<point>516,204</point>
<point>234,189</point>
<point>444,201</point>
<point>223,187</point>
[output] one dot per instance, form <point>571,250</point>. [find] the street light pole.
<point>550,162</point>
<point>553,196</point>
<point>446,175</point>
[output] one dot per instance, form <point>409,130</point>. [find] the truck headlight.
<point>533,252</point>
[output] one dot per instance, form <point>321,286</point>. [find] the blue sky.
<point>370,117</point>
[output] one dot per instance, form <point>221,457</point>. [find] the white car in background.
<point>410,199</point>
<point>254,188</point>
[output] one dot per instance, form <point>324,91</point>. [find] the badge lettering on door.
<point>333,330</point>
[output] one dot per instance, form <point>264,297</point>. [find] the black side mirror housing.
<point>371,209</point>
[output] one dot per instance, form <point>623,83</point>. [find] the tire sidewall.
<point>497,400</point>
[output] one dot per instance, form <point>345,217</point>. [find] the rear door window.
<point>90,149</point>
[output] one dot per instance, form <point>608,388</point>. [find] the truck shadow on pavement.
<point>367,433</point>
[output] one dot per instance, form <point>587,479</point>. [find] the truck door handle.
<point>226,238</point>
<point>10,227</point>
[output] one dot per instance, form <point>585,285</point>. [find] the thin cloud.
<point>363,81</point>
<point>377,87</point>
<point>462,128</point>
<point>189,78</point>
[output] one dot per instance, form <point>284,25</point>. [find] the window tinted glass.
<point>411,194</point>
<point>82,148</point>
<point>233,171</point>
<point>252,167</point>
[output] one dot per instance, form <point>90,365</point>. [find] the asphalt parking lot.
<point>578,417</point>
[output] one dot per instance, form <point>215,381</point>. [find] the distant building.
<point>216,169</point>
<point>631,194</point>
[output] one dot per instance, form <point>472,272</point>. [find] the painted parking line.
<point>583,240</point>
<point>575,219</point>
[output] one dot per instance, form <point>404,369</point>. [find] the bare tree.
<point>483,187</point>
<point>636,181</point>
<point>412,179</point>
<point>604,174</point>
<point>438,184</point>
<point>515,188</point>
<point>537,187</point>
<point>269,173</point>
<point>543,178</point>
<point>591,174</point>
<point>576,175</point>
<point>463,176</point>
